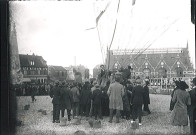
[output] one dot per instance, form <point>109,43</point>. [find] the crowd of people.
<point>125,100</point>
<point>92,100</point>
<point>27,89</point>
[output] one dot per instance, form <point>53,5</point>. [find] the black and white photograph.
<point>102,67</point>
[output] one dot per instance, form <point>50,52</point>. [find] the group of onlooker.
<point>182,105</point>
<point>91,99</point>
<point>28,89</point>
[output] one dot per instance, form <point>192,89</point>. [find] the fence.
<point>164,85</point>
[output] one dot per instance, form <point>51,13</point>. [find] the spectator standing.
<point>96,98</point>
<point>115,93</point>
<point>75,99</point>
<point>137,100</point>
<point>105,100</point>
<point>175,84</point>
<point>192,108</point>
<point>65,100</point>
<point>181,98</point>
<point>55,94</point>
<point>146,97</point>
<point>85,99</point>
<point>33,93</point>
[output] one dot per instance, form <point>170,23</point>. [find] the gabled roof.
<point>57,68</point>
<point>169,57</point>
<point>25,61</point>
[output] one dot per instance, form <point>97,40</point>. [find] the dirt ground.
<point>34,122</point>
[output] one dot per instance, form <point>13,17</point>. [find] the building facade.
<point>34,68</point>
<point>153,63</point>
<point>57,73</point>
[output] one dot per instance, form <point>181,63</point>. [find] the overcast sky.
<point>58,30</point>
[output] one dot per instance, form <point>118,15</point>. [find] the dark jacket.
<point>65,99</point>
<point>146,95</point>
<point>85,97</point>
<point>137,95</point>
<point>172,103</point>
<point>55,94</point>
<point>96,97</point>
<point>193,98</point>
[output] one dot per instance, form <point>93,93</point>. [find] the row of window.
<point>61,73</point>
<point>37,72</point>
<point>34,68</point>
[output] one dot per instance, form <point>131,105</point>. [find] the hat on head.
<point>138,81</point>
<point>147,82</point>
<point>57,82</point>
<point>183,85</point>
<point>97,86</point>
<point>194,81</point>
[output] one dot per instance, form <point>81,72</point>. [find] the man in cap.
<point>115,93</point>
<point>137,101</point>
<point>55,94</point>
<point>192,108</point>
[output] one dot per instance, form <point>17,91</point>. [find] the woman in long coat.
<point>181,98</point>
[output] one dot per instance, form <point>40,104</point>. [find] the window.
<point>38,72</point>
<point>62,73</point>
<point>25,72</point>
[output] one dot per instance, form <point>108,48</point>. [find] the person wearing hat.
<point>75,99</point>
<point>192,108</point>
<point>137,100</point>
<point>96,98</point>
<point>65,100</point>
<point>85,99</point>
<point>181,98</point>
<point>115,93</point>
<point>175,84</point>
<point>55,95</point>
<point>146,97</point>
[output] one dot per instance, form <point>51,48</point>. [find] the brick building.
<point>153,63</point>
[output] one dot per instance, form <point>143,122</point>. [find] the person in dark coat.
<point>55,95</point>
<point>126,106</point>
<point>137,100</point>
<point>96,98</point>
<point>146,97</point>
<point>192,108</point>
<point>105,100</point>
<point>181,98</point>
<point>65,100</point>
<point>75,99</point>
<point>176,84</point>
<point>33,92</point>
<point>85,99</point>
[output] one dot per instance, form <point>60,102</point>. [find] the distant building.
<point>57,73</point>
<point>153,63</point>
<point>83,70</point>
<point>34,68</point>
